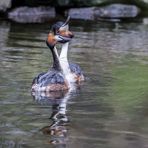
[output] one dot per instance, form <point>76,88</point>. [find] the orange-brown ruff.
<point>53,79</point>
<point>65,33</point>
<point>51,39</point>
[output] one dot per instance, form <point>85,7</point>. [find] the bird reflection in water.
<point>58,128</point>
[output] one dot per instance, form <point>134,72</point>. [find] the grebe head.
<point>60,24</point>
<point>61,29</point>
<point>52,39</point>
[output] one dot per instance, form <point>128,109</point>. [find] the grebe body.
<point>53,79</point>
<point>72,71</point>
<point>77,72</point>
<point>50,81</point>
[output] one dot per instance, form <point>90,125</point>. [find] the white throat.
<point>63,59</point>
<point>64,51</point>
<point>65,64</point>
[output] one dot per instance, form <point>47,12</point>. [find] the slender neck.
<point>56,62</point>
<point>63,55</point>
<point>64,60</point>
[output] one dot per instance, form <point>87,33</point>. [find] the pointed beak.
<point>65,26</point>
<point>62,39</point>
<point>66,22</point>
<point>61,31</point>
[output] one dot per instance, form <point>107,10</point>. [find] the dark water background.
<point>110,109</point>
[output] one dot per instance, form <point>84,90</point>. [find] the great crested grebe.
<point>53,79</point>
<point>72,71</point>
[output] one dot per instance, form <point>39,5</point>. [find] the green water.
<point>109,110</point>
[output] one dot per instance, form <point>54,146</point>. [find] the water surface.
<point>109,110</point>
